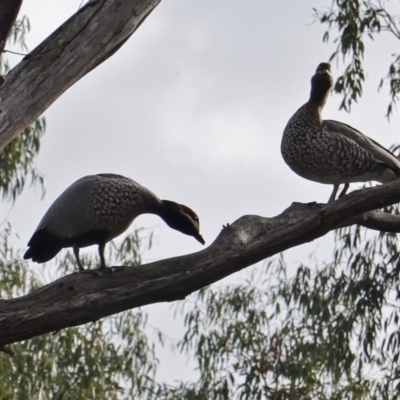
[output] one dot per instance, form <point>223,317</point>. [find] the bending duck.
<point>96,209</point>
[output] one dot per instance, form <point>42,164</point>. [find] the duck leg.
<point>333,195</point>
<point>103,266</point>
<point>101,254</point>
<point>96,272</point>
<point>343,192</point>
<point>76,254</point>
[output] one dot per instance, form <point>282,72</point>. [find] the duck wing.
<point>378,151</point>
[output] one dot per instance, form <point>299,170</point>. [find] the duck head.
<point>321,83</point>
<point>182,218</point>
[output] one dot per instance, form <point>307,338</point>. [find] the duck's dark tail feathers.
<point>43,246</point>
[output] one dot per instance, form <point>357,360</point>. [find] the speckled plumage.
<point>331,152</point>
<point>116,201</point>
<point>97,208</point>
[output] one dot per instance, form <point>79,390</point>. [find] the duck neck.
<point>166,210</point>
<point>310,112</point>
<point>160,209</point>
<point>318,97</point>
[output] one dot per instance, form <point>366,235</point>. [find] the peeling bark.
<point>80,298</point>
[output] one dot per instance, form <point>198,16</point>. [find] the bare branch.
<point>87,39</point>
<point>80,298</point>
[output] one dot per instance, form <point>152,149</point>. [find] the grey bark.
<point>84,41</point>
<point>80,298</point>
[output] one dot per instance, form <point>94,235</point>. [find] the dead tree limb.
<point>80,298</point>
<point>84,41</point>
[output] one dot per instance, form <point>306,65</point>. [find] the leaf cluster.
<point>17,165</point>
<point>352,21</point>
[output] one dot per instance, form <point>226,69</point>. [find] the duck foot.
<point>95,272</point>
<point>113,270</point>
<point>110,270</point>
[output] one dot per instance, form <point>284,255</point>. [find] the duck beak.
<point>199,238</point>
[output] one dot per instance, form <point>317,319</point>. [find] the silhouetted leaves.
<point>17,165</point>
<point>111,358</point>
<point>352,22</point>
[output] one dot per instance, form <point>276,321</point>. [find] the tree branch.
<point>80,298</point>
<point>377,220</point>
<point>83,42</point>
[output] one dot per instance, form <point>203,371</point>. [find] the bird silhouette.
<point>96,209</point>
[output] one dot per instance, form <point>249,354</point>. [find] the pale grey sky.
<point>193,106</point>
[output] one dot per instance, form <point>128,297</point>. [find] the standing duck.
<point>96,209</point>
<point>332,152</point>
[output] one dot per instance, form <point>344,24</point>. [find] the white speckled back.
<point>98,202</point>
<point>116,201</point>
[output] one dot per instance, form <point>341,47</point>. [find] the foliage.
<point>110,358</point>
<point>17,158</point>
<point>17,37</point>
<point>353,21</point>
<point>17,161</point>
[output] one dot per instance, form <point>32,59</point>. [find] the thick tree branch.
<point>87,39</point>
<point>80,298</point>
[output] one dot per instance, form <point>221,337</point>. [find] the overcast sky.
<point>193,107</point>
